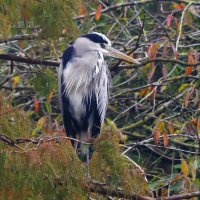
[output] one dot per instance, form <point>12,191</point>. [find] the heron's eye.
<point>103,45</point>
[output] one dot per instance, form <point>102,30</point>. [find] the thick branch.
<point>12,57</point>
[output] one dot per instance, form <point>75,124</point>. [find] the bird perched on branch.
<point>84,81</point>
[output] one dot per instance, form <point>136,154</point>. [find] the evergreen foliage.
<point>30,16</point>
<point>50,169</point>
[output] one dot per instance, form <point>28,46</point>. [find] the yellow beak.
<point>117,54</point>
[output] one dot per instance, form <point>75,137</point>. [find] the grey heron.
<point>83,86</point>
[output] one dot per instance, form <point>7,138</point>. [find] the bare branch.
<point>183,196</point>
<point>125,5</point>
<point>100,189</point>
<point>12,57</point>
<point>19,38</point>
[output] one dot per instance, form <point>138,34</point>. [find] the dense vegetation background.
<point>154,110</point>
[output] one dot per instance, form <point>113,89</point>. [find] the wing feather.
<point>83,91</point>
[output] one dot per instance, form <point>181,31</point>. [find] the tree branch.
<point>101,189</point>
<point>19,37</point>
<point>158,60</point>
<point>183,196</point>
<point>158,110</point>
<point>12,57</point>
<point>7,140</point>
<point>106,9</point>
<point>125,5</point>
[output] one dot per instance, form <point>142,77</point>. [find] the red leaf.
<point>169,19</point>
<point>179,6</point>
<point>170,128</point>
<point>152,51</point>
<point>165,139</point>
<point>143,92</point>
<point>196,122</point>
<point>188,69</point>
<point>156,136</point>
<point>36,105</point>
<point>98,12</point>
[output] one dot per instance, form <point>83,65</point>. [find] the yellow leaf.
<point>143,92</point>
<point>82,10</point>
<point>50,96</point>
<point>160,126</point>
<point>41,122</point>
<point>124,137</point>
<point>184,167</point>
<point>194,169</point>
<point>15,80</point>
<point>39,125</point>
<point>182,87</point>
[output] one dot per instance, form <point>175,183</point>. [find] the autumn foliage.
<point>152,128</point>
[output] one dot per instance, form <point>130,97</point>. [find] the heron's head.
<point>99,42</point>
